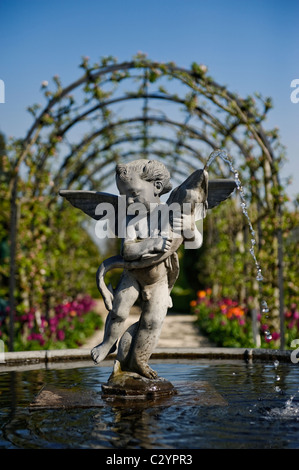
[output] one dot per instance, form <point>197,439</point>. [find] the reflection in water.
<point>218,405</point>
<point>133,428</point>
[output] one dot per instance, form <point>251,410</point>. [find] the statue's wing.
<point>193,189</point>
<point>95,204</point>
<point>88,201</point>
<point>219,190</point>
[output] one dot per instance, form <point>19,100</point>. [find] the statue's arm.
<point>135,249</point>
<point>185,226</point>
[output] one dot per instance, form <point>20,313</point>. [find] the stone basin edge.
<point>65,355</point>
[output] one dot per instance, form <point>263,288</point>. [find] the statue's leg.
<point>124,345</point>
<point>125,296</point>
<point>147,335</point>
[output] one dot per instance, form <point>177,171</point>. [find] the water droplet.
<point>265,308</point>
<point>253,242</point>
<point>268,335</point>
<point>276,363</point>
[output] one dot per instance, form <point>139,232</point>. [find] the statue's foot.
<point>150,373</point>
<point>98,353</point>
<point>145,370</point>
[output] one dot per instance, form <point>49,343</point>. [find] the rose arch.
<point>145,109</point>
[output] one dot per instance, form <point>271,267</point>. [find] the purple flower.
<point>60,335</point>
<point>291,324</point>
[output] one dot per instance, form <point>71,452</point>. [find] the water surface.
<point>258,408</point>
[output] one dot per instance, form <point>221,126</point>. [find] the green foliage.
<point>55,256</point>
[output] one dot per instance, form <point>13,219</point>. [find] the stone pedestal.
<point>131,385</point>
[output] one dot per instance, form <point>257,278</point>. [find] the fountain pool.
<point>220,404</point>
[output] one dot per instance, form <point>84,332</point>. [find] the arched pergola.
<point>141,108</point>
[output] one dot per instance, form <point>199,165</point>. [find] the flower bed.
<point>68,325</point>
<point>227,323</point>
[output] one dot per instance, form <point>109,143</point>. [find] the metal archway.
<point>116,111</point>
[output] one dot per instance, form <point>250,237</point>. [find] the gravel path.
<point>179,331</point>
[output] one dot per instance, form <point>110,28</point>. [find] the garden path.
<point>179,330</point>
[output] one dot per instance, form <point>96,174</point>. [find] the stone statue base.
<point>124,384</point>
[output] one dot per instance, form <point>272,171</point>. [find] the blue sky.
<point>248,46</point>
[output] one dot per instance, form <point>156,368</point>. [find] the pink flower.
<point>60,335</point>
<point>291,325</point>
<point>37,337</point>
<point>223,309</point>
<point>275,335</point>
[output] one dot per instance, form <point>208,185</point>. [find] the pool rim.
<point>24,358</point>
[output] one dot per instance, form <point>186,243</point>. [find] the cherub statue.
<point>148,251</point>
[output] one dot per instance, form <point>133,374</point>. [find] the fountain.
<point>206,398</point>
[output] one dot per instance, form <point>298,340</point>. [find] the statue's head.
<point>143,181</point>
